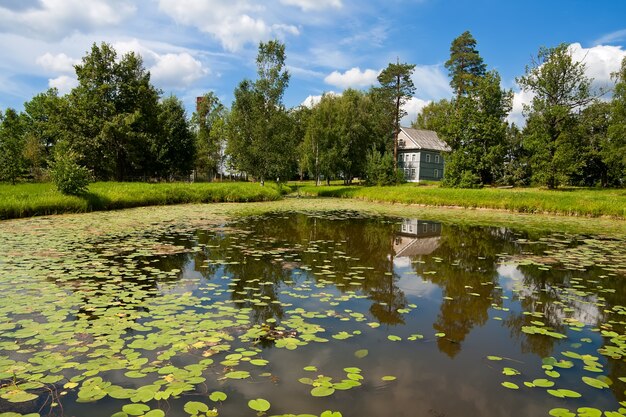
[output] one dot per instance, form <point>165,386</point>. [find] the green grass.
<point>571,201</point>
<point>24,200</point>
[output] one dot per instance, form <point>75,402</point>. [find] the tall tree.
<point>473,123</point>
<point>45,123</point>
<point>174,147</point>
<point>614,149</point>
<point>12,162</point>
<point>115,110</point>
<point>560,87</point>
<point>209,121</point>
<point>465,66</point>
<point>397,88</point>
<point>260,140</point>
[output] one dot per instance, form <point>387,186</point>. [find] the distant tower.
<point>199,100</point>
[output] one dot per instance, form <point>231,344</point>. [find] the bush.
<point>69,177</point>
<point>379,169</point>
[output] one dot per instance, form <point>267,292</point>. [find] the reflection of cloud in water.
<point>414,285</point>
<point>585,311</point>
<point>509,275</point>
<point>402,262</point>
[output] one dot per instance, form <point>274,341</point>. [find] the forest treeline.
<point>116,125</point>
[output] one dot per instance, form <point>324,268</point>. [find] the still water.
<point>364,315</point>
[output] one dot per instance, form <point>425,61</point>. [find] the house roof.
<point>424,139</point>
<point>406,246</point>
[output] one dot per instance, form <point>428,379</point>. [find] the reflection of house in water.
<point>417,237</point>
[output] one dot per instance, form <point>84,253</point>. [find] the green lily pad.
<point>218,396</point>
<point>322,391</point>
<point>259,404</point>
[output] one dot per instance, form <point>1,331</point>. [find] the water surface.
<point>426,318</point>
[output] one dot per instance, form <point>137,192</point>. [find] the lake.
<point>183,312</point>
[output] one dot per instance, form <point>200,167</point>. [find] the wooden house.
<point>421,154</point>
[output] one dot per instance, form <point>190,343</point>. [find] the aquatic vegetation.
<point>195,312</point>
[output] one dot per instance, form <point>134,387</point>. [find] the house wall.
<point>419,165</point>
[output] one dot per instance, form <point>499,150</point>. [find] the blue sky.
<point>195,46</point>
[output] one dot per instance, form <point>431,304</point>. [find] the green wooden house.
<point>421,154</point>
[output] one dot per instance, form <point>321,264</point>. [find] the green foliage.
<point>559,86</point>
<point>261,143</point>
<point>68,176</point>
<point>12,162</point>
<point>474,123</point>
<point>114,114</point>
<point>174,147</point>
<point>396,88</point>
<point>380,170</point>
<point>338,134</point>
<point>614,149</point>
<point>209,121</point>
<point>465,66</point>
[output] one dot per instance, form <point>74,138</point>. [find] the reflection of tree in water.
<point>270,247</point>
<point>465,266</point>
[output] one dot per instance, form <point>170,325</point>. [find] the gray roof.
<point>425,139</point>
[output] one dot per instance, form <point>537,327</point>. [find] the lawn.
<point>24,200</point>
<point>566,201</point>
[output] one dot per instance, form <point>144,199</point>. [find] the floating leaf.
<point>361,353</point>
<point>259,404</point>
<point>322,391</point>
<point>510,385</point>
<point>195,407</point>
<point>217,396</point>
<point>388,378</point>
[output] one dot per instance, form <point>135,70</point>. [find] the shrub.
<point>69,177</point>
<point>379,169</point>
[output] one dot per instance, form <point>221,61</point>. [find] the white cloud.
<point>600,60</point>
<point>431,82</point>
<point>520,98</point>
<point>412,108</point>
<point>312,101</point>
<point>57,63</point>
<point>168,70</point>
<point>307,5</point>
<point>354,78</point>
<point>616,36</point>
<point>57,19</point>
<point>63,83</point>
<point>234,23</point>
<point>177,70</point>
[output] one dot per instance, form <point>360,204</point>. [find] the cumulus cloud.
<point>312,101</point>
<point>168,70</point>
<point>431,82</point>
<point>63,83</point>
<point>354,78</point>
<point>57,19</point>
<point>413,107</point>
<point>57,63</point>
<point>177,70</point>
<point>601,61</point>
<point>233,24</point>
<point>308,5</point>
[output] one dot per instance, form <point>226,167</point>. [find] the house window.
<point>412,173</point>
<point>413,157</point>
<point>425,227</point>
<point>404,227</point>
<point>437,158</point>
<point>406,173</point>
<point>410,229</point>
<point>436,173</point>
<point>427,157</point>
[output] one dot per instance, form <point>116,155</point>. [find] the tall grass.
<point>571,201</point>
<point>25,200</point>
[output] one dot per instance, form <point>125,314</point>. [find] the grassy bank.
<point>24,200</point>
<point>572,202</point>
